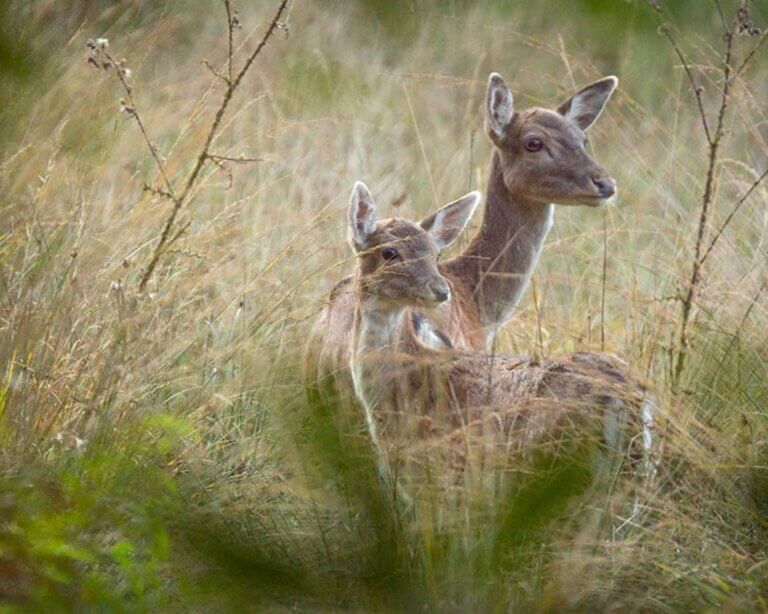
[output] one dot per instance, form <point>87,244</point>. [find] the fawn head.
<point>542,151</point>
<point>397,258</point>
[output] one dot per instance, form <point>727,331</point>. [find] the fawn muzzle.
<point>440,290</point>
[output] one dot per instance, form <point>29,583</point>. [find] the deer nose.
<point>440,290</point>
<point>606,186</point>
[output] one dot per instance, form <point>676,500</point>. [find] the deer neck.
<point>498,263</point>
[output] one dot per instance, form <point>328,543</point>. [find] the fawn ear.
<point>447,223</point>
<point>361,217</point>
<point>585,106</point>
<point>499,107</point>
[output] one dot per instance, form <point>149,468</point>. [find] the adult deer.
<point>410,391</point>
<point>539,158</point>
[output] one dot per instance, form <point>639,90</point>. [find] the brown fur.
<point>518,400</point>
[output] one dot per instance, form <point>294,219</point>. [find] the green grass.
<point>158,450</point>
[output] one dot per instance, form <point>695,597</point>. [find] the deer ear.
<point>447,223</point>
<point>585,106</point>
<point>499,107</point>
<point>361,217</point>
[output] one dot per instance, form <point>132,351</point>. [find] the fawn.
<point>411,392</point>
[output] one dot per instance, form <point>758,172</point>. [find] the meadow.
<point>158,449</point>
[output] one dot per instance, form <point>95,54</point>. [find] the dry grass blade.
<point>734,210</point>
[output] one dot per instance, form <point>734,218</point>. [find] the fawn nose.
<point>440,290</point>
<point>606,186</point>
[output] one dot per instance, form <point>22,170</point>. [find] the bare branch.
<point>204,155</point>
<point>706,201</point>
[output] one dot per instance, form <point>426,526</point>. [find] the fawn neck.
<point>499,261</point>
<point>376,324</point>
<point>375,337</point>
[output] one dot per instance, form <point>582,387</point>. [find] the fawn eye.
<point>389,253</point>
<point>533,144</point>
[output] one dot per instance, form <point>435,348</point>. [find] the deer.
<point>539,158</point>
<point>410,391</point>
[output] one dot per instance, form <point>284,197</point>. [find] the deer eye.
<point>533,144</point>
<point>389,253</point>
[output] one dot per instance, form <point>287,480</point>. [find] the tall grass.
<point>157,447</point>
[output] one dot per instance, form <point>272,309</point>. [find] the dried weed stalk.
<point>101,58</point>
<point>715,133</point>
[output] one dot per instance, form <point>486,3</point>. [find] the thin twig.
<point>157,191</point>
<point>743,66</point>
<point>223,168</point>
<point>733,212</point>
<point>132,110</point>
<point>213,70</point>
<point>230,27</point>
<point>204,155</point>
<point>238,159</point>
<point>696,89</point>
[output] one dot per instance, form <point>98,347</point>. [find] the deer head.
<point>397,258</point>
<point>542,151</point>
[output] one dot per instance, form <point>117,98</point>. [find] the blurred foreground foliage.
<point>123,523</point>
